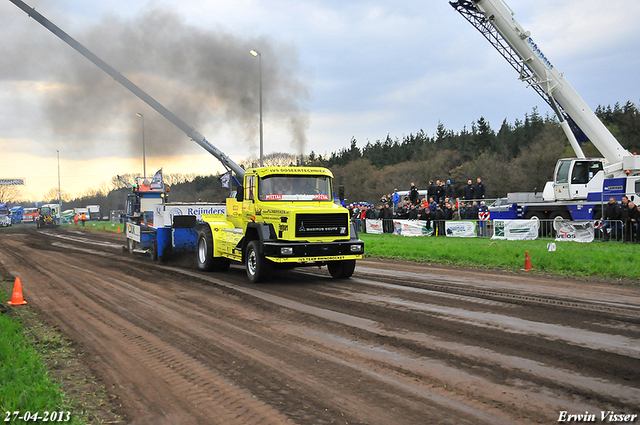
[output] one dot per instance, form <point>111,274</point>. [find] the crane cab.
<point>575,178</point>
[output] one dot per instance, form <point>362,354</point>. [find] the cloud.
<point>201,75</point>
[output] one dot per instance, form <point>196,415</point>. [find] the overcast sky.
<point>331,71</point>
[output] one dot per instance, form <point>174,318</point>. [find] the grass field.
<point>614,260</point>
<point>36,364</point>
<point>25,384</point>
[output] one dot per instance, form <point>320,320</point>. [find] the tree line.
<point>518,157</point>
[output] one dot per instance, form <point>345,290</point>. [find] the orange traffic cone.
<point>118,229</point>
<point>527,262</point>
<point>17,298</point>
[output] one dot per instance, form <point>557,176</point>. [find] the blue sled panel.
<point>185,240</point>
<point>164,240</point>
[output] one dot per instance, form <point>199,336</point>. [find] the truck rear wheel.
<point>206,260</point>
<point>258,267</point>
<point>342,269</point>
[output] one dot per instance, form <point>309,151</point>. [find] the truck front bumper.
<point>304,252</point>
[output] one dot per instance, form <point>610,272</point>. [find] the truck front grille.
<point>335,224</point>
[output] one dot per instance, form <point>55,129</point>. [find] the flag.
<point>225,180</point>
<point>156,181</point>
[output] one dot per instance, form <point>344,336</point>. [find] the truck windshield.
<point>294,188</point>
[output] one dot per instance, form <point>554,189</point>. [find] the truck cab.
<point>15,213</point>
<point>5,219</point>
<point>283,217</point>
<point>139,210</point>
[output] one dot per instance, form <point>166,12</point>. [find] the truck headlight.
<point>356,248</point>
<point>287,250</point>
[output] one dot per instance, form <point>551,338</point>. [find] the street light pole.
<point>144,163</point>
<point>59,192</point>
<point>259,56</point>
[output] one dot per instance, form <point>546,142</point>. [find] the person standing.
<point>439,224</point>
<point>75,218</point>
<point>481,189</point>
<point>432,190</point>
<point>83,218</point>
<point>387,219</point>
<point>449,190</point>
<point>396,200</point>
<point>440,192</point>
<point>469,191</point>
<point>413,194</point>
<point>634,217</point>
<point>611,213</point>
<point>626,220</point>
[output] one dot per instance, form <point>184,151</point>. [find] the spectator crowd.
<point>621,221</point>
<point>437,207</point>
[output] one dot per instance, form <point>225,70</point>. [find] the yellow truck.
<point>283,217</point>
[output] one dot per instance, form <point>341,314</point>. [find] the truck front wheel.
<point>342,269</point>
<point>206,260</point>
<point>258,267</point>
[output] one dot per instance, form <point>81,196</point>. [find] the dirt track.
<point>398,343</point>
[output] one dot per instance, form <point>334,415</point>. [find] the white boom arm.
<point>536,69</point>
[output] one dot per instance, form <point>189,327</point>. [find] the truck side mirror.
<point>341,192</point>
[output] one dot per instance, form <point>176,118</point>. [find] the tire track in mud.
<point>204,396</point>
<point>540,376</point>
<point>267,351</point>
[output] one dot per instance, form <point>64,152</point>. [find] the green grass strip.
<point>24,381</point>
<point>612,260</point>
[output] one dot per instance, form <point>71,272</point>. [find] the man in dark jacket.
<point>413,213</point>
<point>626,220</point>
<point>440,192</point>
<point>469,191</point>
<point>432,190</point>
<point>449,190</point>
<point>425,215</point>
<point>413,194</point>
<point>481,189</point>
<point>438,218</point>
<point>611,212</point>
<point>634,222</point>
<point>387,219</point>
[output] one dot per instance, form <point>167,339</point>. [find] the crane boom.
<point>188,130</point>
<point>495,20</point>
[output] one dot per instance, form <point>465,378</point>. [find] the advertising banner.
<point>411,228</point>
<point>373,226</point>
<point>12,182</point>
<point>163,213</point>
<point>461,229</point>
<point>574,231</point>
<point>516,230</point>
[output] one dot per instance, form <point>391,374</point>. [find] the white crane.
<point>574,178</point>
